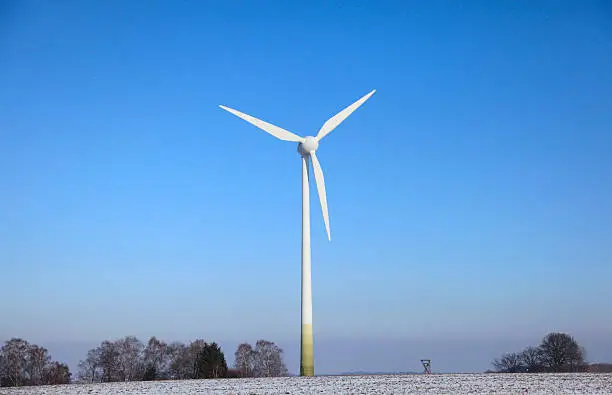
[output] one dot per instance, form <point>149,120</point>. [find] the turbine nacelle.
<point>308,146</point>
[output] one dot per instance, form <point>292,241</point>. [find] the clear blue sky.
<point>470,197</point>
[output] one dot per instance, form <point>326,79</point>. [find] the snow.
<point>575,383</point>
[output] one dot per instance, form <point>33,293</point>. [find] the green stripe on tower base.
<point>307,350</point>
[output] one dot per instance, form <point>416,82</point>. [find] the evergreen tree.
<point>150,373</point>
<point>211,362</point>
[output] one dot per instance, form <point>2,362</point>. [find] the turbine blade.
<point>341,116</point>
<point>268,127</point>
<point>321,189</point>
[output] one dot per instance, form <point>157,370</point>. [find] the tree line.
<point>129,359</point>
<point>557,353</point>
<point>23,363</point>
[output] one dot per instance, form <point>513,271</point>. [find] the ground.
<point>579,383</point>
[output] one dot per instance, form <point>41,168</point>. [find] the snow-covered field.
<point>582,383</point>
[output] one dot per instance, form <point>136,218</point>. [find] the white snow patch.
<point>574,383</point>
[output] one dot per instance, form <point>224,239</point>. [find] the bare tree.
<point>130,360</point>
<point>180,364</point>
<point>531,359</point>
<point>56,373</point>
<point>561,353</point>
<point>268,360</point>
<point>193,352</point>
<point>119,360</point>
<point>90,369</point>
<point>244,360</point>
<point>156,357</point>
<point>15,358</point>
<point>37,360</point>
<point>509,363</point>
<point>109,362</point>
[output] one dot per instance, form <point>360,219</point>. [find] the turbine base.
<point>307,357</point>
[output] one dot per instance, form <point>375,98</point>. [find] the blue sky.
<point>469,198</point>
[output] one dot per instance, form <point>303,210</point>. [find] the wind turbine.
<point>307,147</point>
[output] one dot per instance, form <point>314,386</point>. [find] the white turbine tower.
<point>307,147</point>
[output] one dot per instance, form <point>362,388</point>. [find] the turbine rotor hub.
<point>308,146</point>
